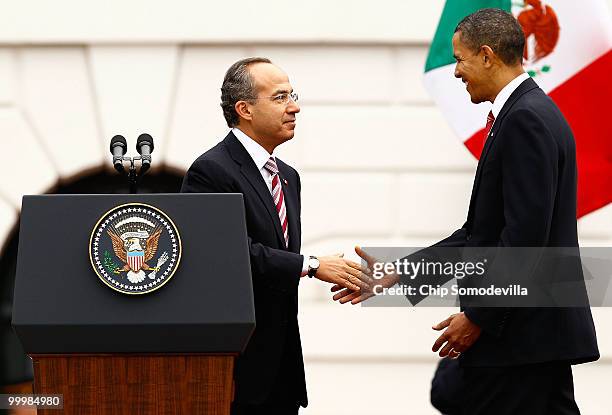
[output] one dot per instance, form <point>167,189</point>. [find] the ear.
<point>243,109</point>
<point>488,56</point>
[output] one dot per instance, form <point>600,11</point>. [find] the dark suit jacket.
<point>524,195</point>
<point>274,354</point>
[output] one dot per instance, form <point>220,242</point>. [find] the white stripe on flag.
<point>453,100</point>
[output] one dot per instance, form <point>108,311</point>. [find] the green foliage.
<point>108,262</point>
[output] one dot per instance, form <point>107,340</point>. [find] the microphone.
<point>118,147</point>
<point>144,146</point>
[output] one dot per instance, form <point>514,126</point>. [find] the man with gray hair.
<point>260,107</point>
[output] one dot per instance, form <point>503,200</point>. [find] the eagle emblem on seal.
<point>129,249</point>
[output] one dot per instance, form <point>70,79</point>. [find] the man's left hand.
<point>460,335</point>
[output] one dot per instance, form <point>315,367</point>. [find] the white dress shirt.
<point>505,93</point>
<point>261,156</point>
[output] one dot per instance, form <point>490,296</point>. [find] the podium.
<point>114,331</point>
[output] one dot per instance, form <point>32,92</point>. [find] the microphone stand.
<point>132,175</point>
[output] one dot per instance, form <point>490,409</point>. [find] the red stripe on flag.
<point>476,143</point>
<point>585,101</point>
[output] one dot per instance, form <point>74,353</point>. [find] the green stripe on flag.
<point>441,51</point>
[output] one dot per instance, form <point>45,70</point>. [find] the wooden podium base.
<point>136,384</point>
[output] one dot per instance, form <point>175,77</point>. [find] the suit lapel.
<point>292,208</point>
<point>523,88</point>
<point>251,173</point>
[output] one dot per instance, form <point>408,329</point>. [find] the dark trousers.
<point>448,387</point>
<point>241,409</point>
<point>539,389</point>
<point>281,400</point>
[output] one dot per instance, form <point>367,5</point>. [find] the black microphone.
<point>144,146</point>
<point>118,147</point>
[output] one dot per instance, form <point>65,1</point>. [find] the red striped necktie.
<point>279,197</point>
<point>490,121</point>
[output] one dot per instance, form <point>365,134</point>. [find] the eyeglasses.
<point>283,99</point>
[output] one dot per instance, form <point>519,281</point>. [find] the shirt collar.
<point>259,154</point>
<point>505,93</point>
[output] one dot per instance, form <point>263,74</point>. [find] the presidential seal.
<point>135,248</point>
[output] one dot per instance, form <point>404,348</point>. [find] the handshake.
<point>352,281</point>
<point>355,283</point>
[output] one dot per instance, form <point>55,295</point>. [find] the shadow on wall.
<point>15,365</point>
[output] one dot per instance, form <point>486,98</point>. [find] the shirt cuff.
<point>305,266</point>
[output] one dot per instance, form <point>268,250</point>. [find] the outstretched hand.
<point>343,273</point>
<point>344,295</point>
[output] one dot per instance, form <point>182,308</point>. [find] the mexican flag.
<point>569,54</point>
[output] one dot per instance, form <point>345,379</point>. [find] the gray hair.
<point>238,85</point>
<point>497,29</point>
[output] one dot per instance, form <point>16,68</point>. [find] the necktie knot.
<point>271,166</point>
<point>490,118</point>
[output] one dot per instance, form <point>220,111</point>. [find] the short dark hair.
<point>497,29</point>
<point>238,85</point>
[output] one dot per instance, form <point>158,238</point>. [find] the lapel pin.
<point>285,181</point>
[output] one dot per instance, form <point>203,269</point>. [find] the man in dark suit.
<point>515,360</point>
<point>260,106</point>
